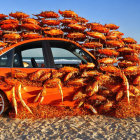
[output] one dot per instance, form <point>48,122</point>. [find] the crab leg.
<point>125,80</point>
<point>14,100</point>
<point>22,101</point>
<point>37,97</point>
<point>43,93</point>
<point>60,90</point>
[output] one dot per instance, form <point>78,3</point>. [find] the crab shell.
<point>76,35</point>
<point>108,60</point>
<point>2,16</point>
<point>77,26</point>
<point>29,20</point>
<point>30,26</point>
<point>48,14</point>
<point>51,22</point>
<point>31,36</point>
<point>134,46</point>
<point>115,43</point>
<point>67,21</point>
<point>19,15</point>
<point>133,70</point>
<point>9,26</point>
<point>115,32</point>
<point>54,32</point>
<point>112,26</point>
<point>129,40</point>
<point>100,29</point>
<point>92,25</point>
<point>113,37</point>
<point>68,13</point>
<point>108,52</point>
<point>80,19</point>
<point>126,63</point>
<point>92,45</point>
<point>96,35</point>
<point>110,69</point>
<point>12,36</point>
<point>10,21</point>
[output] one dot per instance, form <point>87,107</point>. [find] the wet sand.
<point>79,127</point>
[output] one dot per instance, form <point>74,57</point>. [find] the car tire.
<point>4,103</point>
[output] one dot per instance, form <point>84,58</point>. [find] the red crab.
<point>93,45</point>
<point>68,13</point>
<point>51,22</point>
<point>54,32</point>
<point>29,26</point>
<point>96,35</point>
<point>48,14</point>
<point>112,26</point>
<point>19,15</point>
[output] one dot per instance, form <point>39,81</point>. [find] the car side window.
<point>29,56</point>
<point>69,56</point>
<point>6,59</point>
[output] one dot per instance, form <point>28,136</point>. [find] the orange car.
<point>27,60</point>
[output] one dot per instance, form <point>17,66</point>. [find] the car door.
<point>30,62</point>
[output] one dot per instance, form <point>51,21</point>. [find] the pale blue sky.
<point>125,13</point>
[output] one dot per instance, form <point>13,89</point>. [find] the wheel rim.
<point>1,104</point>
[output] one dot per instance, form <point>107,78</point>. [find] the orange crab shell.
<point>19,15</point>
<point>96,35</point>
<point>133,58</point>
<point>12,36</point>
<point>115,43</point>
<point>76,35</point>
<point>112,26</point>
<point>2,16</point>
<point>52,82</point>
<point>48,14</point>
<point>9,21</point>
<point>108,52</point>
<point>115,32</point>
<point>92,45</point>
<point>77,26</point>
<point>54,32</point>
<point>126,50</point>
<point>9,26</point>
<point>29,20</point>
<point>110,69</point>
<point>80,19</point>
<point>129,40</point>
<point>113,37</point>
<point>134,46</point>
<point>100,29</point>
<point>30,26</point>
<point>91,25</point>
<point>31,36</point>
<point>108,60</point>
<point>68,69</point>
<point>68,21</point>
<point>133,70</point>
<point>126,63</point>
<point>51,22</point>
<point>2,44</point>
<point>68,13</point>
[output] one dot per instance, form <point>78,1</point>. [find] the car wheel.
<point>4,104</point>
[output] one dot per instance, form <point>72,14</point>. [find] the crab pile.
<point>100,89</point>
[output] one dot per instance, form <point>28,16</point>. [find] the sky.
<point>124,13</point>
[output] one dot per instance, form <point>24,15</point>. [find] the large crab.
<point>18,15</point>
<point>48,14</point>
<point>68,13</point>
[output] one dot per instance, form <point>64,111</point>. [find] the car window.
<point>29,56</point>
<point>68,55</point>
<point>5,59</point>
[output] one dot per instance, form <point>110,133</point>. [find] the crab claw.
<point>88,106</point>
<point>22,101</point>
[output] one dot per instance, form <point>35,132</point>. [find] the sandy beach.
<point>79,127</point>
